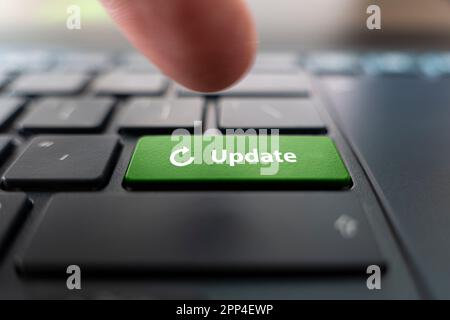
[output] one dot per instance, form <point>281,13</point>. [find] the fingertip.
<point>204,45</point>
<point>216,72</point>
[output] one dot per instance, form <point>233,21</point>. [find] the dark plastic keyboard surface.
<point>70,123</point>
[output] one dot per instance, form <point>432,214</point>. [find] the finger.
<point>206,45</point>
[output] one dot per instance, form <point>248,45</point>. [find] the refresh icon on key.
<point>180,152</point>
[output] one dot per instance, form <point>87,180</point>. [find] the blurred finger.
<point>206,45</point>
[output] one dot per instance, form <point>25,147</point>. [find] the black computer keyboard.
<point>69,127</point>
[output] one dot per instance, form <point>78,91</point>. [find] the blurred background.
<point>282,24</point>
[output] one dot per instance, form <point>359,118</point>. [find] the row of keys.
<point>53,83</point>
<point>287,115</point>
<point>86,162</point>
<point>124,84</point>
<point>265,85</point>
<point>384,64</point>
<point>91,62</point>
<point>259,83</point>
<point>343,63</point>
<point>264,81</point>
<point>147,115</point>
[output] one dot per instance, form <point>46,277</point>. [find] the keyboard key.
<point>130,84</point>
<point>334,64</point>
<point>9,107</point>
<point>24,61</point>
<point>49,83</point>
<point>305,162</point>
<point>277,58</point>
<point>136,63</point>
<point>263,85</point>
<point>12,208</point>
<point>63,162</point>
<point>391,64</point>
<point>67,115</point>
<point>149,115</point>
<point>259,67</point>
<point>284,114</point>
<point>276,63</point>
<point>203,233</point>
<point>83,62</point>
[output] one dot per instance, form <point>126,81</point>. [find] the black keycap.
<point>67,115</point>
<point>192,232</point>
<point>148,115</point>
<point>284,114</point>
<point>49,83</point>
<point>12,208</point>
<point>130,84</point>
<point>266,85</point>
<point>63,162</point>
<point>9,107</point>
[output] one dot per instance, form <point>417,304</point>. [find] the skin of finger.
<point>206,45</point>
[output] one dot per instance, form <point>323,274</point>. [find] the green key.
<point>297,161</point>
